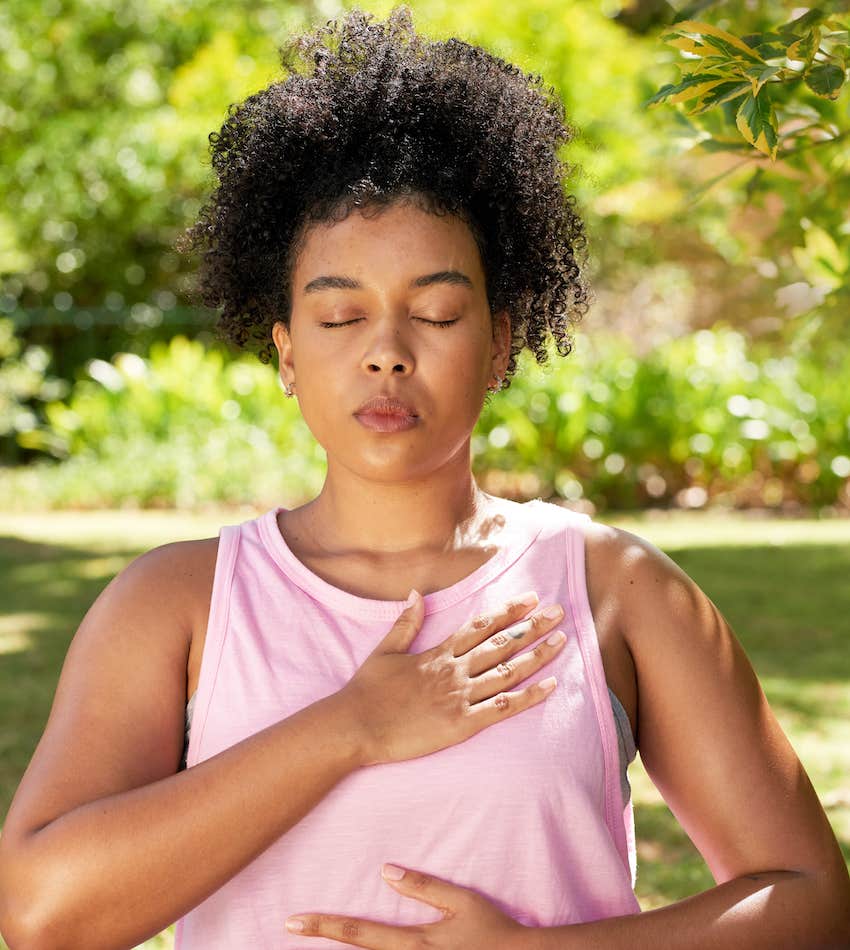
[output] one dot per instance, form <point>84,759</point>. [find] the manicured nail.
<point>557,637</point>
<point>552,612</point>
<point>412,597</point>
<point>549,683</point>
<point>392,872</point>
<point>295,925</point>
<point>528,599</point>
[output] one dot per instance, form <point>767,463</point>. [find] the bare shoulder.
<point>632,578</point>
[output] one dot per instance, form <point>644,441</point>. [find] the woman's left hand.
<point>469,921</point>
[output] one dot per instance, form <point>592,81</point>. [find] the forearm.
<point>113,872</point>
<point>773,910</point>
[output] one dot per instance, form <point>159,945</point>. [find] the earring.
<point>497,387</point>
<point>289,391</point>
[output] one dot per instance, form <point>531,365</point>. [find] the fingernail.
<point>412,597</point>
<point>552,612</point>
<point>295,925</point>
<point>393,872</point>
<point>548,683</point>
<point>528,599</point>
<point>557,637</point>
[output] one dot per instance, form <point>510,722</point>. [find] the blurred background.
<point>706,404</point>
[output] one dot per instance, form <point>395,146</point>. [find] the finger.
<point>508,641</point>
<point>478,628</point>
<point>508,703</point>
<point>355,931</point>
<point>515,670</point>
<point>436,891</point>
<point>406,628</point>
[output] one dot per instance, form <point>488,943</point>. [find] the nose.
<point>388,353</point>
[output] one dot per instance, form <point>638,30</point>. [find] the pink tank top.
<point>529,812</point>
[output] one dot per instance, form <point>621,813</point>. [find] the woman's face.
<point>380,285</point>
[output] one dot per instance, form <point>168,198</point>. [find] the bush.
<point>25,388</point>
<point>697,420</point>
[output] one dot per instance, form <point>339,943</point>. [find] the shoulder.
<point>175,577</point>
<point>638,578</point>
<point>170,567</point>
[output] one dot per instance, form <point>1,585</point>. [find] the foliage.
<point>698,420</point>
<point>104,115</point>
<point>757,91</point>
<point>183,426</point>
<point>25,387</point>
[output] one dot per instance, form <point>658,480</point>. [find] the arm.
<point>105,844</point>
<point>713,748</point>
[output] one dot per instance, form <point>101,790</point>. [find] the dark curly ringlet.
<point>370,113</point>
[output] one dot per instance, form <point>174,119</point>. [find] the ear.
<point>283,343</point>
<point>501,350</point>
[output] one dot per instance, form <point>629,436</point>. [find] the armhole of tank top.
<point>615,807</point>
<point>228,546</point>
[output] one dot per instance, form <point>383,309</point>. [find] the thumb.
<point>406,627</point>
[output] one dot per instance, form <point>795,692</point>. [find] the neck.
<point>354,515</point>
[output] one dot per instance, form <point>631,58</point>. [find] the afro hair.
<point>371,112</point>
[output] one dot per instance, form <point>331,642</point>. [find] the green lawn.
<point>782,585</point>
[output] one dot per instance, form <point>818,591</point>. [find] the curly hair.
<point>370,113</point>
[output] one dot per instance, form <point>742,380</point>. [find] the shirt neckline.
<point>518,534</point>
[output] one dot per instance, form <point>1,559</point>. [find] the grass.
<point>782,585</point>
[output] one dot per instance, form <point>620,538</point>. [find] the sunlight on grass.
<point>13,639</point>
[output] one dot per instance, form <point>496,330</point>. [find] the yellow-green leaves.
<point>756,121</point>
<point>743,70</point>
<point>825,79</point>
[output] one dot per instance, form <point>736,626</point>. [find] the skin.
<point>101,817</point>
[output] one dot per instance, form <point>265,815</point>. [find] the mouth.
<point>385,405</point>
<point>386,421</point>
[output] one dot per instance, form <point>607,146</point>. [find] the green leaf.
<point>665,91</point>
<point>725,42</point>
<point>825,80</point>
<point>808,20</point>
<point>760,75</point>
<point>722,93</point>
<point>802,48</point>
<point>756,121</point>
<point>691,85</point>
<point>767,45</point>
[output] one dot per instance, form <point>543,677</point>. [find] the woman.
<point>391,220</point>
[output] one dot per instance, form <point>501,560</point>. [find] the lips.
<point>383,405</point>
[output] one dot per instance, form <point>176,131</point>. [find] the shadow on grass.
<point>45,591</point>
<point>789,605</point>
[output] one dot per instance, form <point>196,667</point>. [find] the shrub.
<point>697,420</point>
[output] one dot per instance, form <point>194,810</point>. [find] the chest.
<point>384,581</point>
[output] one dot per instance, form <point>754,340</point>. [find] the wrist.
<point>548,938</point>
<point>355,747</point>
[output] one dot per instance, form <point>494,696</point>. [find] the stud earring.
<point>497,387</point>
<point>289,391</point>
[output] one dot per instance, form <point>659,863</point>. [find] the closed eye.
<point>433,323</point>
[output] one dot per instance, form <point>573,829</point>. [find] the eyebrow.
<point>335,282</point>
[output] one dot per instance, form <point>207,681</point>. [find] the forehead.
<point>396,243</point>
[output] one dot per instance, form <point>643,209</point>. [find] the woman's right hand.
<point>412,704</point>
